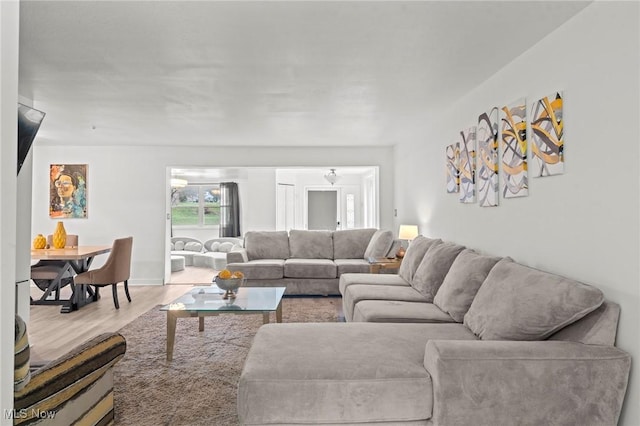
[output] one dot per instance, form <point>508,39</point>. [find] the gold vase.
<point>39,242</point>
<point>59,236</point>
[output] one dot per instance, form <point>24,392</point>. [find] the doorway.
<point>285,207</point>
<point>322,209</point>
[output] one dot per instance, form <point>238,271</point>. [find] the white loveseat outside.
<point>210,254</point>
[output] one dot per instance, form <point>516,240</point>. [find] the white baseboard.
<point>146,281</point>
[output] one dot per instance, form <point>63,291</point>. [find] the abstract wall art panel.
<point>68,191</point>
<point>467,165</point>
<point>514,150</point>
<point>453,175</point>
<point>487,176</point>
<point>547,132</point>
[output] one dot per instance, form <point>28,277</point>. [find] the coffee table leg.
<point>279,312</point>
<point>265,317</point>
<point>171,333</point>
<point>201,327</point>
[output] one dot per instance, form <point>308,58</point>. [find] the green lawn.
<point>187,214</point>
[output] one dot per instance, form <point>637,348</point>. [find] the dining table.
<point>79,259</point>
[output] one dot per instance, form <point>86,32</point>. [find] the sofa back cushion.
<point>267,245</point>
<point>351,243</point>
<point>379,244</point>
<point>310,244</point>
<point>434,267</point>
<point>414,255</point>
<point>520,303</point>
<point>193,246</point>
<point>460,285</point>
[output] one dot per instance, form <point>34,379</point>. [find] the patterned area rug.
<point>199,386</point>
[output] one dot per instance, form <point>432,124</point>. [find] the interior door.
<point>322,209</point>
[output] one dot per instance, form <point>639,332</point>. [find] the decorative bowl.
<point>230,286</point>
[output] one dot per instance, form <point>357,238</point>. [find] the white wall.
<point>9,19</point>
<point>259,205</point>
<point>582,224</point>
<point>127,189</point>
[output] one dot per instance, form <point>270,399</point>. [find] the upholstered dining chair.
<point>116,269</point>
<point>52,275</point>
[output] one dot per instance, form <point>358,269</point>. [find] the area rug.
<point>199,386</point>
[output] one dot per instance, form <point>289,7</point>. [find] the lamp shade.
<point>408,232</point>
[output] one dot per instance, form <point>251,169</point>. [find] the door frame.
<point>338,192</point>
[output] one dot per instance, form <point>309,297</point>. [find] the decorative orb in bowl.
<point>230,285</point>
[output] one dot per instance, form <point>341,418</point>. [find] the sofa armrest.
<point>543,382</point>
<point>237,255</point>
<point>72,378</point>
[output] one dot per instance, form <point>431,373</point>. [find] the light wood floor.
<point>52,334</point>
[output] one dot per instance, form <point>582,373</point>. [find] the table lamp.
<point>406,232</point>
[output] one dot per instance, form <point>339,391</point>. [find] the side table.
<point>378,264</point>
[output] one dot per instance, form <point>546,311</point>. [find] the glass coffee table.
<point>205,301</point>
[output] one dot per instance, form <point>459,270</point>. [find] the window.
<point>196,205</point>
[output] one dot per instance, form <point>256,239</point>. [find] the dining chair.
<point>52,275</point>
<point>116,269</point>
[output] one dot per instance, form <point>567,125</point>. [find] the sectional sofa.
<point>308,262</point>
<point>455,338</point>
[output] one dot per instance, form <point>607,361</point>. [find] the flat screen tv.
<point>29,121</point>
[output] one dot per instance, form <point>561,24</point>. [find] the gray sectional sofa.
<point>308,262</point>
<point>455,338</point>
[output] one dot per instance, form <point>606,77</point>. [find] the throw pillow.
<point>520,303</point>
<point>215,246</point>
<point>379,244</point>
<point>414,255</point>
<point>179,245</point>
<point>267,245</point>
<point>225,247</point>
<point>462,282</point>
<point>193,246</point>
<point>434,267</point>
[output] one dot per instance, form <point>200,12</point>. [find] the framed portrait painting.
<point>68,191</point>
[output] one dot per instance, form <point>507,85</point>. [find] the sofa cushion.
<point>462,282</point>
<point>267,245</point>
<point>372,279</point>
<point>193,246</point>
<point>399,311</point>
<point>260,269</point>
<point>351,243</point>
<point>359,292</point>
<point>310,268</point>
<point>516,302</point>
<point>225,247</point>
<point>339,373</point>
<point>379,244</point>
<point>434,267</point>
<point>351,266</point>
<point>310,244</point>
<point>414,255</point>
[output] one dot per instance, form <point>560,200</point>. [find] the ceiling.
<point>264,73</point>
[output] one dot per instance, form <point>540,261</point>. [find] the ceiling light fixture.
<point>331,177</point>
